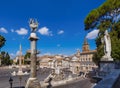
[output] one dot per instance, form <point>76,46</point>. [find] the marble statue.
<point>107,45</point>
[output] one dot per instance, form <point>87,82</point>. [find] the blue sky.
<point>61,24</point>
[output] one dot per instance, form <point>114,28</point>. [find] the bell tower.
<point>85,47</point>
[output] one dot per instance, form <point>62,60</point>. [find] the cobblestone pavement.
<point>85,83</point>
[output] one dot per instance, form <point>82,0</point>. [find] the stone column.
<point>33,58</point>
<point>33,81</point>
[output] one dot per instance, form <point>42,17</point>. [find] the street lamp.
<point>11,82</point>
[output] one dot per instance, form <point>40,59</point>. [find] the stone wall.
<point>109,80</point>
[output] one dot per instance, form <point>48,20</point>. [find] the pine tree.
<point>106,17</point>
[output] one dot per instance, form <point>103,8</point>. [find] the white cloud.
<point>60,32</point>
<point>3,30</point>
<point>22,31</point>
<point>12,30</point>
<point>45,31</point>
<point>93,34</point>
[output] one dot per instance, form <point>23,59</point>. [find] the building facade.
<point>82,61</point>
<point>79,62</point>
<point>86,61</point>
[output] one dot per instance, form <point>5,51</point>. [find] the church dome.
<point>75,58</point>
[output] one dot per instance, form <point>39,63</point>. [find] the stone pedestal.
<point>106,66</point>
<point>106,58</point>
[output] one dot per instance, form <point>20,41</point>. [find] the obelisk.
<point>33,81</point>
<point>20,72</point>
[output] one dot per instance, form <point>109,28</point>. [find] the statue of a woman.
<point>107,45</point>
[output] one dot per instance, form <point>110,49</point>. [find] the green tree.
<point>107,11</point>
<point>2,41</point>
<point>5,59</point>
<point>105,17</point>
<point>26,58</point>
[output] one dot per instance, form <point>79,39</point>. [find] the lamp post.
<point>11,82</point>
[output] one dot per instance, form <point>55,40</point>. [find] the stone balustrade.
<point>109,80</point>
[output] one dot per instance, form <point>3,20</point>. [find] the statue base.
<point>106,58</point>
<point>106,66</point>
<point>33,83</point>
